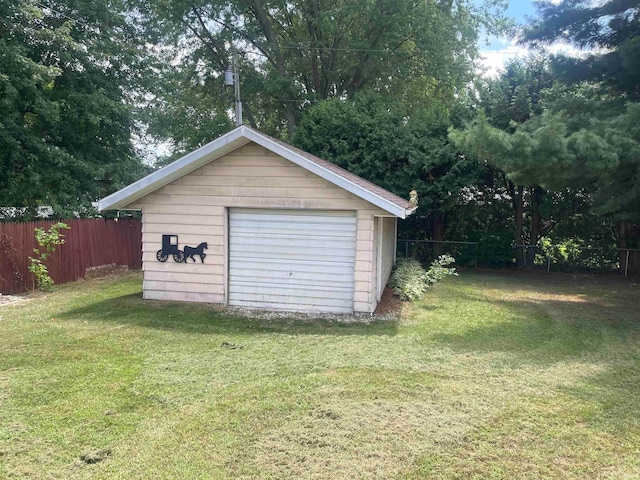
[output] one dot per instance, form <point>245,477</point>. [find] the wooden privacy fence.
<point>89,243</point>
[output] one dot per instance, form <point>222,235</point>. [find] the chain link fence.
<point>558,258</point>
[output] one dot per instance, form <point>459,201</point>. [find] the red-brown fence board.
<point>89,243</point>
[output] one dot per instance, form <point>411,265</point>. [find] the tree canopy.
<point>298,53</point>
<point>611,29</point>
<point>381,87</point>
<point>67,73</point>
<point>580,145</point>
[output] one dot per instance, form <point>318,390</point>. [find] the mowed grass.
<point>492,375</point>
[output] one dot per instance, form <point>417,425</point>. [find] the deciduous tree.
<point>67,70</point>
<point>304,51</point>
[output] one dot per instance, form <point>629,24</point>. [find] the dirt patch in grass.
<point>11,299</point>
<point>390,305</point>
<point>105,270</point>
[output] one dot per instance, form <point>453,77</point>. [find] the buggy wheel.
<point>162,257</point>
<point>178,257</point>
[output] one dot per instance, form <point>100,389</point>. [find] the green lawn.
<point>491,376</point>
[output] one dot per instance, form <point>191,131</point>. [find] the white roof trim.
<point>225,144</point>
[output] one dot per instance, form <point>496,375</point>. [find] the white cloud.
<point>493,60</point>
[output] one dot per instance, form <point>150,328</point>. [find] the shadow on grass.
<point>615,397</point>
<point>132,310</point>
<point>597,327</point>
<point>548,331</point>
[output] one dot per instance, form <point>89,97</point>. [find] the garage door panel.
<point>295,307</point>
<point>310,301</point>
<point>256,215</point>
<point>269,290</point>
<point>292,260</point>
<point>305,283</point>
<point>328,243</point>
<point>294,235</point>
<point>241,274</point>
<point>317,251</point>
<point>291,225</point>
<point>255,266</point>
<point>282,229</point>
<point>289,258</point>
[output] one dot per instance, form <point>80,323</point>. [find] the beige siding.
<point>194,208</point>
<point>375,268</point>
<point>388,247</point>
<point>384,246</point>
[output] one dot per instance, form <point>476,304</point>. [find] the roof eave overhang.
<point>225,144</point>
<point>410,211</point>
<point>173,171</point>
<point>330,176</point>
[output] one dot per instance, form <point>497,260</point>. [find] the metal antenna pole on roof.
<point>232,78</point>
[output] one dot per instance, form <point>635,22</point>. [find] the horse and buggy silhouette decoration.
<point>170,247</point>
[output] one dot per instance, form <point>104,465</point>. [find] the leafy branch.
<point>47,242</point>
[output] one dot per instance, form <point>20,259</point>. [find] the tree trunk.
<point>259,9</point>
<point>438,224</point>
<point>536,224</point>
<point>518,207</point>
<point>628,237</point>
<point>290,111</point>
<point>252,120</point>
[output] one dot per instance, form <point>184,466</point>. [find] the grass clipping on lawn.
<point>488,376</point>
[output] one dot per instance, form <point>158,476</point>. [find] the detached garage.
<point>250,221</point>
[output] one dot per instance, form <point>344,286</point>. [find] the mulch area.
<point>389,305</point>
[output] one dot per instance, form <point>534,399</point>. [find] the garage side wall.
<point>194,207</point>
<point>388,247</point>
<point>385,247</point>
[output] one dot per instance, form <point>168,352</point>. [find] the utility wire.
<point>333,49</point>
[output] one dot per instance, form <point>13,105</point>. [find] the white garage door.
<point>299,260</point>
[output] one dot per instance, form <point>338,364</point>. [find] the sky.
<point>519,9</point>
<point>495,50</point>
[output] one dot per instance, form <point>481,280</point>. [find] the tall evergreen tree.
<point>610,29</point>
<point>508,101</point>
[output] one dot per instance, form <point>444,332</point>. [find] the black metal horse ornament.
<point>189,252</point>
<point>170,247</point>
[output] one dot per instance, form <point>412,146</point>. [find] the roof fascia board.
<point>328,175</point>
<point>203,155</point>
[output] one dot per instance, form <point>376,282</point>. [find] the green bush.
<point>438,269</point>
<point>410,280</point>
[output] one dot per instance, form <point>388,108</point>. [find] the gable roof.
<point>240,136</point>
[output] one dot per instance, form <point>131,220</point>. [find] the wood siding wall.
<point>388,247</point>
<point>384,234</point>
<point>194,207</point>
<point>89,243</point>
